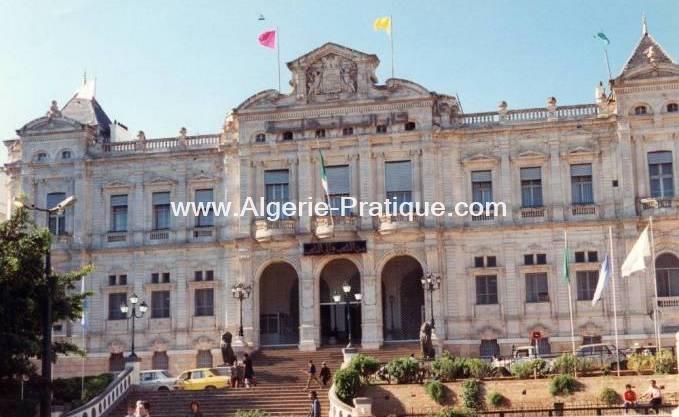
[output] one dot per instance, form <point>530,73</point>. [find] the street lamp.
<point>337,298</point>
<point>240,292</point>
<point>654,203</point>
<point>46,349</point>
<point>430,283</point>
<point>143,308</point>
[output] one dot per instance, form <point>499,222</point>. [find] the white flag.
<point>635,259</point>
<point>604,277</point>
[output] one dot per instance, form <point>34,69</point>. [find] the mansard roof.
<point>648,58</point>
<point>85,108</point>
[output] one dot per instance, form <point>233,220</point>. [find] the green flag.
<point>566,263</point>
<point>324,176</point>
<point>602,37</point>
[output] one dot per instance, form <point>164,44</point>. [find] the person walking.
<point>131,410</point>
<point>249,371</point>
<point>315,410</point>
<point>311,373</point>
<point>324,374</point>
<point>143,409</point>
<point>629,397</point>
<point>194,410</point>
<point>654,395</point>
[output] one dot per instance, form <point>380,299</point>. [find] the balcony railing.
<point>386,224</point>
<point>162,144</point>
<point>203,232</point>
<point>579,111</point>
<point>159,235</point>
<point>649,204</point>
<point>113,237</point>
<point>532,212</point>
<point>668,302</point>
<point>583,209</point>
<point>264,229</point>
<point>485,217</point>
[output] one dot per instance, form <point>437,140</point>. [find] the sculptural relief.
<point>332,74</point>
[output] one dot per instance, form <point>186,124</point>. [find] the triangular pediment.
<point>331,48</point>
<point>531,154</point>
<point>48,124</point>
<point>579,150</point>
<point>480,157</point>
<point>118,183</point>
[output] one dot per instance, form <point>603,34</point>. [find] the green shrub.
<point>664,362</point>
<point>251,413</point>
<point>366,366</point>
<point>471,394</point>
<point>347,383</point>
<point>496,399</point>
<point>436,391</point>
<point>526,369</point>
<point>567,364</point>
<point>68,390</point>
<point>449,368</point>
<point>638,362</point>
<point>564,384</point>
<point>608,396</point>
<point>403,370</point>
<point>479,368</point>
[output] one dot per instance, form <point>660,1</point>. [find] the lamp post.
<point>143,308</point>
<point>46,348</point>
<point>654,203</point>
<point>346,289</point>
<point>240,292</point>
<point>430,283</point>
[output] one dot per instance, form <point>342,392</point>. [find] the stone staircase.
<point>280,386</point>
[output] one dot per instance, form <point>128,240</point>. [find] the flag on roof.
<point>602,37</point>
<point>268,39</point>
<point>383,24</point>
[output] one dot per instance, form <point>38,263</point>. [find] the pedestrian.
<point>315,405</point>
<point>654,395</point>
<point>194,410</point>
<point>249,372</point>
<point>311,373</point>
<point>234,374</point>
<point>630,398</point>
<point>143,408</point>
<point>130,410</point>
<point>324,374</point>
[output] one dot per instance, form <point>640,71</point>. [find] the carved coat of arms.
<point>331,74</point>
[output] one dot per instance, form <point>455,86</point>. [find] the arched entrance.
<point>402,299</point>
<point>334,328</point>
<point>279,305</point>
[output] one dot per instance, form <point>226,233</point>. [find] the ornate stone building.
<point>577,169</point>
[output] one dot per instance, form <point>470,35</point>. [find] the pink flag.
<point>268,39</point>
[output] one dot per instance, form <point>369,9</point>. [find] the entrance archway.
<point>402,299</point>
<point>279,305</point>
<point>334,325</point>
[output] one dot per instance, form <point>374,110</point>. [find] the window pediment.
<point>530,155</point>
<point>117,184</point>
<point>480,158</point>
<point>161,181</point>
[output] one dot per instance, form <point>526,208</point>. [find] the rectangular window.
<point>398,176</point>
<point>155,278</point>
<point>491,261</point>
<point>204,302</point>
<point>541,259</point>
<point>122,279</point>
<point>660,174</point>
<point>160,304</point>
<point>482,187</point>
<point>580,257</point>
<point>528,259</point>
<point>592,256</point>
<point>591,340</point>
<point>486,289</point>
<point>111,280</point>
<point>478,262</point>
<point>209,275</point>
<point>56,221</point>
<point>166,277</point>
<point>115,300</point>
<point>161,210</point>
<point>339,185</point>
<point>581,184</point>
<point>489,348</point>
<point>205,218</point>
<point>276,184</point>
<point>119,213</point>
<point>531,187</point>
<point>586,284</point>
<point>668,281</point>
<point>198,275</point>
<point>537,290</point>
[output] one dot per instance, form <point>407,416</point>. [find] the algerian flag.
<point>383,23</point>
<point>324,176</point>
<point>635,259</point>
<point>604,277</point>
<point>602,37</point>
<point>566,263</point>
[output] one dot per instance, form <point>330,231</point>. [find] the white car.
<point>156,380</point>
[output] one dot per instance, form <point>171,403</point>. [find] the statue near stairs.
<point>426,346</point>
<point>228,355</point>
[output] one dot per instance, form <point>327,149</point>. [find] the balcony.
<point>324,226</point>
<point>485,217</point>
<point>265,230</point>
<point>156,235</point>
<point>203,233</point>
<point>654,206</point>
<point>583,210</point>
<point>116,237</point>
<point>668,303</point>
<point>389,223</point>
<point>532,212</point>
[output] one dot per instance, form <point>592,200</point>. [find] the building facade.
<point>576,171</point>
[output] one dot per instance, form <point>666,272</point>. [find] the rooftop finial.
<point>644,25</point>
<point>84,77</point>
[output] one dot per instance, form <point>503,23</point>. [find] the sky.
<point>160,65</point>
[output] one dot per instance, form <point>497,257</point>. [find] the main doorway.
<point>402,299</point>
<point>335,319</point>
<point>279,305</point>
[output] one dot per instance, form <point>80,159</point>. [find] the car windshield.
<point>166,374</point>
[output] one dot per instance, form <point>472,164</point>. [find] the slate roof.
<point>84,108</point>
<point>639,57</point>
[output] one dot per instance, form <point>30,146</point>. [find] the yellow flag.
<point>383,23</point>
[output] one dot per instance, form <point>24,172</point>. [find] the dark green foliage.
<point>479,368</point>
<point>608,396</point>
<point>449,368</point>
<point>567,363</point>
<point>472,398</point>
<point>67,390</point>
<point>527,369</point>
<point>347,383</point>
<point>366,366</point>
<point>564,384</point>
<point>664,362</point>
<point>497,400</point>
<point>403,370</point>
<point>251,413</point>
<point>436,391</point>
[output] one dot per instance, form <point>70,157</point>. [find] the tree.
<point>22,291</point>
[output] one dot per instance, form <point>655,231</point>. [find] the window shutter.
<point>663,157</point>
<point>161,198</point>
<point>278,176</point>
<point>581,170</point>
<point>338,179</point>
<point>119,200</point>
<point>481,176</point>
<point>533,173</point>
<point>398,176</point>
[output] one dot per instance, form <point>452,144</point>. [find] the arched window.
<point>287,135</point>
<point>320,133</point>
<point>204,359</point>
<point>672,107</point>
<point>667,274</point>
<point>260,138</point>
<point>409,126</point>
<point>160,360</point>
<point>348,131</point>
<point>116,362</point>
<point>41,157</point>
<point>66,155</point>
<point>381,129</point>
<point>640,110</point>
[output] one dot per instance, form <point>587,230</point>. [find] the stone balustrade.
<point>104,402</point>
<point>580,111</point>
<point>162,144</point>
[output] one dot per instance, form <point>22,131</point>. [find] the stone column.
<point>308,308</point>
<point>557,198</point>
<point>366,177</point>
<point>429,168</point>
<point>505,180</point>
<point>371,313</point>
<point>305,186</point>
<point>627,177</point>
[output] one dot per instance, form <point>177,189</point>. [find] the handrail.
<point>338,408</point>
<point>104,402</point>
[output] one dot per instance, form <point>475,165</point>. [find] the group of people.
<point>243,374</point>
<point>139,409</point>
<point>653,394</point>
<point>324,375</point>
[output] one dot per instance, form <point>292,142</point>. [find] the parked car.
<point>156,380</point>
<point>519,355</point>
<point>601,355</point>
<point>203,379</point>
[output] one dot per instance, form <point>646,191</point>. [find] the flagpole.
<point>570,301</point>
<point>608,65</point>
<point>278,56</point>
<point>83,322</point>
<point>615,304</point>
<point>391,38</point>
<point>655,287</point>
